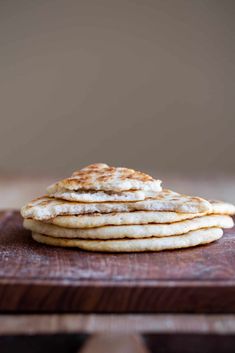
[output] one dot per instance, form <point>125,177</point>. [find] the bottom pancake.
<point>193,238</point>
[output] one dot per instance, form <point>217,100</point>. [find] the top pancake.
<point>101,177</point>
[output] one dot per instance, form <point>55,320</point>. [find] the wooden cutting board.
<point>39,278</point>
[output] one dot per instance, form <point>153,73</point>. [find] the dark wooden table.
<point>47,289</point>
<point>35,277</point>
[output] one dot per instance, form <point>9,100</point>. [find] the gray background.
<point>147,84</point>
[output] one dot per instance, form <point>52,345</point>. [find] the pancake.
<point>130,231</point>
<point>45,207</point>
<point>193,238</point>
<point>136,217</point>
<point>100,196</point>
<point>124,218</point>
<point>102,177</point>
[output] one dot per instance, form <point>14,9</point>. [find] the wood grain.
<point>38,278</point>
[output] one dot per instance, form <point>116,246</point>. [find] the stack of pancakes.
<point>102,208</point>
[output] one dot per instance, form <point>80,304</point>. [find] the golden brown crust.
<point>103,177</point>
